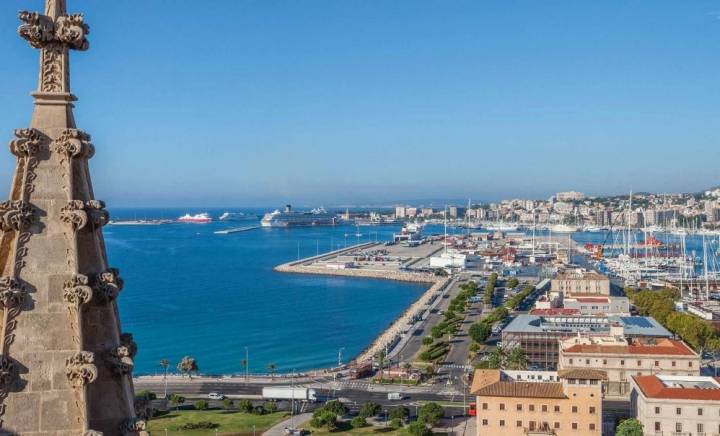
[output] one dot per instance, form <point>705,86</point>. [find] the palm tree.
<point>187,365</point>
<point>271,369</point>
<point>244,364</point>
<point>165,364</point>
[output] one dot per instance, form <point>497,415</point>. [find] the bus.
<point>472,409</point>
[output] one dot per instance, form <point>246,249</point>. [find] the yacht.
<point>200,218</point>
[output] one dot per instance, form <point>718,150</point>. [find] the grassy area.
<point>229,422</point>
<point>346,429</point>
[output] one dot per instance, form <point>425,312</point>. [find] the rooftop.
<point>665,347</point>
<point>632,325</point>
<point>584,374</point>
<point>580,275</point>
<point>522,390</point>
<point>678,387</point>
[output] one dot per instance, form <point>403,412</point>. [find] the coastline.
<point>403,322</point>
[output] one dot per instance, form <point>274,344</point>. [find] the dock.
<point>236,230</point>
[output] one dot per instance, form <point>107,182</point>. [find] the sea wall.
<point>402,323</point>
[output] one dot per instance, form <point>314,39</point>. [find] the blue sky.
<point>326,102</point>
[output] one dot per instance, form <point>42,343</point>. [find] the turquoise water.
<point>191,292</point>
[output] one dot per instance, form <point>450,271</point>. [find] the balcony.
<point>540,431</point>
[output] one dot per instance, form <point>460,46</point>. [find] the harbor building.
<point>570,406</point>
<point>580,282</point>
<point>592,306</point>
<point>569,196</point>
<point>539,336</point>
<point>676,405</point>
<point>622,358</point>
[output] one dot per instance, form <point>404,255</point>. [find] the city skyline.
<point>269,103</point>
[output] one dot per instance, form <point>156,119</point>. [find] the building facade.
<point>676,405</point>
<point>623,358</point>
<point>572,406</point>
<point>579,283</point>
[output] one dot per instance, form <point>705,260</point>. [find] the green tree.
<point>512,283</point>
<point>270,407</point>
<point>369,409</point>
<point>430,413</point>
<point>496,358</point>
<point>176,400</point>
<point>336,407</point>
<point>427,340</point>
<point>418,428</point>
<point>629,427</point>
<point>245,406</point>
<point>272,368</point>
<point>479,332</point>
<point>201,405</point>
<point>324,418</point>
<point>358,422</point>
<point>187,365</point>
<point>399,412</point>
<point>516,359</point>
<point>396,423</point>
<point>227,403</point>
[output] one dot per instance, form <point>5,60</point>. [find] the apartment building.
<point>623,358</point>
<point>572,406</point>
<point>677,405</point>
<point>579,283</point>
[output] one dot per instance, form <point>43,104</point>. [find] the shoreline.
<point>403,322</point>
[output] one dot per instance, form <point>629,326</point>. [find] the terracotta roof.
<point>554,311</point>
<point>586,374</point>
<point>484,377</point>
<point>593,299</point>
<point>652,387</point>
<point>522,390</point>
<point>669,347</point>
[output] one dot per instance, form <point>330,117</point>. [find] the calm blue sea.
<point>191,292</point>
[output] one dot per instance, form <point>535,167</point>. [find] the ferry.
<point>290,218</point>
<point>201,218</point>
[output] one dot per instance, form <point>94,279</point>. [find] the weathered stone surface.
<point>64,365</point>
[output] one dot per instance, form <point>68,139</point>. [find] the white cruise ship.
<point>289,218</point>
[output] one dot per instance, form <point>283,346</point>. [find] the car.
<point>216,396</point>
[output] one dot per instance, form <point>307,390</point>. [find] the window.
<point>657,363</point>
<point>689,364</point>
<point>678,411</point>
<point>622,362</point>
<point>519,407</point>
<point>544,407</point>
<point>592,410</point>
<point>502,406</point>
<point>557,408</point>
<point>657,426</point>
<point>531,425</point>
<point>556,425</point>
<point>571,381</point>
<point>485,406</point>
<point>484,422</point>
<point>700,412</point>
<point>678,427</point>
<point>502,423</point>
<point>657,410</point>
<point>604,361</point>
<point>587,361</point>
<point>518,423</point>
<point>574,425</point>
<point>571,361</point>
<point>701,428</point>
<point>574,409</point>
<point>673,363</point>
<point>592,426</point>
<point>531,407</point>
<point>639,362</point>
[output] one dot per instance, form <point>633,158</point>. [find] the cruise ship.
<point>289,218</point>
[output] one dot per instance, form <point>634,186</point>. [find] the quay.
<point>236,230</point>
<point>379,261</point>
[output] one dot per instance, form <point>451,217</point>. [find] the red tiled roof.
<point>592,300</point>
<point>652,387</point>
<point>668,347</point>
<point>522,390</point>
<point>552,312</point>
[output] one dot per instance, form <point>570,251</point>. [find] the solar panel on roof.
<point>636,321</point>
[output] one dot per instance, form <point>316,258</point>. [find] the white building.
<point>449,259</point>
<point>676,405</point>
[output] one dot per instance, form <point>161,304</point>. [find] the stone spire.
<point>65,366</point>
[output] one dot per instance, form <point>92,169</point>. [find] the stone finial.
<point>74,214</point>
<point>109,284</point>
<point>97,213</point>
<point>93,433</point>
<point>7,373</point>
<point>12,293</point>
<point>42,30</point>
<point>15,215</point>
<point>80,368</point>
<point>133,426</point>
<point>74,143</point>
<point>76,290</point>
<point>127,341</point>
<point>26,142</point>
<point>119,360</point>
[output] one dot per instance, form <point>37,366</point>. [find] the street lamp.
<point>247,364</point>
<point>340,356</point>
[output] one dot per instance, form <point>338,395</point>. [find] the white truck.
<point>395,396</point>
<point>289,393</point>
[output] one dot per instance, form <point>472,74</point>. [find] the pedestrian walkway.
<point>279,428</point>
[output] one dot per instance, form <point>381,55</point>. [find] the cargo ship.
<point>290,218</point>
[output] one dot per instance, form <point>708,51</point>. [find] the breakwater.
<point>390,336</point>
